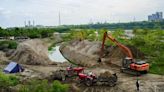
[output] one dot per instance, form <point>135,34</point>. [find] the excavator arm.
<point>128,64</point>
<point>124,49</point>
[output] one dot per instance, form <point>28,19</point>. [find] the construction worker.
<point>137,85</point>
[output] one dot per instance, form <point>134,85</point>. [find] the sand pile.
<point>31,52</point>
<point>87,53</point>
<point>84,53</point>
<point>106,74</point>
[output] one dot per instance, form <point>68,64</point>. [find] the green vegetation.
<point>151,43</point>
<point>30,32</point>
<point>44,86</point>
<point>7,80</point>
<point>51,46</point>
<point>130,25</point>
<point>8,45</point>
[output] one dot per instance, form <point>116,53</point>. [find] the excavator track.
<point>130,71</point>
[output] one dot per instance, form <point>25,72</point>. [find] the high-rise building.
<point>158,16</point>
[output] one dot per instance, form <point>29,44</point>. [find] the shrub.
<point>51,46</point>
<point>8,45</point>
<point>58,87</point>
<point>36,86</point>
<point>44,86</point>
<point>7,80</point>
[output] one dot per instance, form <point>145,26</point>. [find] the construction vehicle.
<point>89,79</point>
<point>129,64</point>
<point>102,79</point>
<point>73,71</point>
<point>69,72</point>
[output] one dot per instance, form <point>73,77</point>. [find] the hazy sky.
<point>45,12</point>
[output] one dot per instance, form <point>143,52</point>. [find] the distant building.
<point>158,16</point>
<point>29,23</point>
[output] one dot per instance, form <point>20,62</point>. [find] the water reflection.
<point>56,56</point>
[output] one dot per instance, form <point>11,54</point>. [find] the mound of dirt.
<point>3,58</point>
<point>106,74</point>
<point>31,52</point>
<point>84,53</point>
<point>87,53</point>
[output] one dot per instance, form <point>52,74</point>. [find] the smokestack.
<point>59,19</point>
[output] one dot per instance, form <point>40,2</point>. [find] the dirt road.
<point>126,82</point>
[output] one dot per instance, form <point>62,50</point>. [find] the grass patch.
<point>157,65</point>
<point>157,69</point>
<point>7,80</point>
<point>8,45</point>
<point>44,86</point>
<point>51,46</point>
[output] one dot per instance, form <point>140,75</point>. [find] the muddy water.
<point>56,56</point>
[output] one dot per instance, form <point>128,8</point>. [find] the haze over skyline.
<point>45,12</point>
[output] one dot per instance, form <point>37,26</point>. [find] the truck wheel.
<point>70,73</point>
<point>145,72</point>
<point>112,83</point>
<point>121,70</point>
<point>88,82</point>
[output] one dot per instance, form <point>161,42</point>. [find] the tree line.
<point>130,25</point>
<point>30,32</point>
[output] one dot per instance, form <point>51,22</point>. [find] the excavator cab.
<point>134,68</point>
<point>126,62</point>
<point>140,62</point>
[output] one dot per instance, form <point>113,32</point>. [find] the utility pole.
<point>59,19</point>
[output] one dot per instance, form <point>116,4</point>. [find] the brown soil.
<point>3,58</point>
<point>126,82</point>
<point>84,53</point>
<point>31,52</point>
<point>87,53</point>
